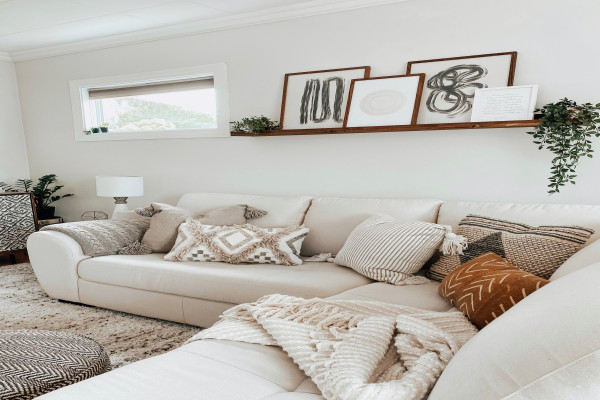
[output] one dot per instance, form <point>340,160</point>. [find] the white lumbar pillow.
<point>388,251</point>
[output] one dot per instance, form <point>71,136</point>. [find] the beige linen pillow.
<point>161,235</point>
<point>238,244</point>
<point>166,220</point>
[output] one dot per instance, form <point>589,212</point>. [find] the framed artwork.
<point>513,103</point>
<point>317,99</point>
<point>450,83</point>
<point>384,101</point>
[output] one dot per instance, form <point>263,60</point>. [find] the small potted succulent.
<point>104,127</point>
<point>95,130</point>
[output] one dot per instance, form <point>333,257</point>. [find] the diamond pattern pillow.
<point>238,244</point>
<point>539,250</point>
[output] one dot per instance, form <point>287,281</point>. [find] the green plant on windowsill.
<point>566,129</point>
<point>255,125</point>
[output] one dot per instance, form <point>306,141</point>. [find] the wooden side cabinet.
<point>18,220</point>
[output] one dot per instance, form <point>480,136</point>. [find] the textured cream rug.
<point>127,338</point>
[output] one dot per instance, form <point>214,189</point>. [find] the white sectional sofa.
<point>546,347</point>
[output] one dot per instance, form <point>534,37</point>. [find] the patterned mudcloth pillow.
<point>388,251</point>
<point>238,244</point>
<point>539,250</point>
<point>485,287</point>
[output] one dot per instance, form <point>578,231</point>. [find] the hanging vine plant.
<point>566,129</point>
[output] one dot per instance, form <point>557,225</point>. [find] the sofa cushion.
<point>207,369</point>
<point>423,296</point>
<point>238,244</point>
<point>389,251</point>
<point>282,211</point>
<point>331,219</point>
<point>452,212</point>
<point>545,347</point>
<point>485,287</point>
<point>539,250</point>
<point>231,283</point>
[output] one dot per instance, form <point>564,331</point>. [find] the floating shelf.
<point>398,128</point>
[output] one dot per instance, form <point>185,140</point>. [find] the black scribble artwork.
<point>449,89</point>
<point>315,90</point>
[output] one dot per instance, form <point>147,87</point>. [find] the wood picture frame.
<point>296,107</point>
<point>29,221</point>
<point>450,83</point>
<point>389,102</point>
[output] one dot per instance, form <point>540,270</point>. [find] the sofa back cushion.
<point>282,211</point>
<point>545,347</point>
<point>587,216</point>
<point>332,219</point>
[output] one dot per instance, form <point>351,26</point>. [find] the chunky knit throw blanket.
<point>352,350</point>
<point>104,237</point>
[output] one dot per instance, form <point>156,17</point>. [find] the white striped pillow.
<point>388,251</point>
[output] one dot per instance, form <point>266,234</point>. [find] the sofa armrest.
<point>54,257</point>
<point>590,254</point>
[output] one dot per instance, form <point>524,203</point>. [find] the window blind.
<point>150,88</point>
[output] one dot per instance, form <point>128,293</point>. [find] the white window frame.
<point>80,100</point>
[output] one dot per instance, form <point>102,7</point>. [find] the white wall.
<point>13,155</point>
<point>551,36</point>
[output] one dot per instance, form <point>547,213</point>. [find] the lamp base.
<point>120,208</point>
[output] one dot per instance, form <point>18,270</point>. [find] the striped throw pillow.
<point>388,251</point>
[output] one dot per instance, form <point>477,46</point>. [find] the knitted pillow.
<point>539,250</point>
<point>388,251</point>
<point>238,244</point>
<point>166,219</point>
<point>485,287</point>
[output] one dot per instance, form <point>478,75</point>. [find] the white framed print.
<point>450,83</point>
<point>515,103</point>
<point>384,101</point>
<point>317,99</point>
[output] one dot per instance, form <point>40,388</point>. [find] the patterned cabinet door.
<point>17,220</point>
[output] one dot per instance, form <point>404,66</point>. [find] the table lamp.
<point>120,188</point>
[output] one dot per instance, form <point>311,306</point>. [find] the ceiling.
<point>36,28</point>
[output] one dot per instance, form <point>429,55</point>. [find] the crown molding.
<point>192,28</point>
<point>5,56</point>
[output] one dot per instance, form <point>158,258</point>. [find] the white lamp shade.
<point>119,186</point>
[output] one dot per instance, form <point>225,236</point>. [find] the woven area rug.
<point>126,338</point>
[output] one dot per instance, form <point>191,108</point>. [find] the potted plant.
<point>566,129</point>
<point>95,130</point>
<point>255,125</point>
<point>43,193</point>
<point>104,127</point>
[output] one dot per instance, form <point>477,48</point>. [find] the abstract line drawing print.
<point>318,92</point>
<point>453,89</point>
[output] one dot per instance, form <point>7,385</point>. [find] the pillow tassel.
<point>253,213</point>
<point>453,244</point>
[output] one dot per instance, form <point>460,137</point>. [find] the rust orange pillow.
<point>485,287</point>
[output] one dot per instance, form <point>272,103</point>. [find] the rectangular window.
<point>168,104</point>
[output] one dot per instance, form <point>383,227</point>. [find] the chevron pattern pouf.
<point>36,362</point>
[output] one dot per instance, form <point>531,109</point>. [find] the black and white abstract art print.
<point>450,84</point>
<point>317,99</point>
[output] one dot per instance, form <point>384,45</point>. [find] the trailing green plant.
<point>566,129</point>
<point>44,193</point>
<point>255,125</point>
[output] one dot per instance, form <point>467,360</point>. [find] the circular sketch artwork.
<point>383,102</point>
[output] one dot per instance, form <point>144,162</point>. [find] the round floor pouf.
<point>36,362</point>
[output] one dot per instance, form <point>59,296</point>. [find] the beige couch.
<point>546,347</point>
